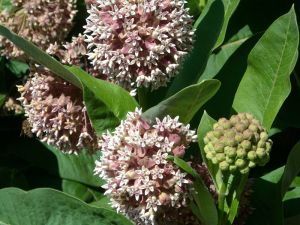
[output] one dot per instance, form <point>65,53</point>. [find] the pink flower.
<point>139,41</point>
<point>133,163</point>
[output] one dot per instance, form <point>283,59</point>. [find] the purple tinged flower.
<point>150,34</point>
<point>134,162</point>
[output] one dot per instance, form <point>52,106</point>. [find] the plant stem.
<point>222,195</point>
<point>142,98</point>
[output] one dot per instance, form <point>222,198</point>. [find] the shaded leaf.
<point>72,167</point>
<point>291,170</point>
<point>12,178</point>
<point>77,190</point>
<point>203,199</point>
<point>2,98</point>
<point>291,204</point>
<point>52,207</point>
<point>266,83</point>
<point>263,196</point>
<point>185,103</point>
<point>16,67</point>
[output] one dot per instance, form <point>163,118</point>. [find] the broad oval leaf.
<point>206,125</point>
<point>48,206</point>
<point>72,167</point>
<point>203,199</point>
<point>266,83</point>
<point>210,31</point>
<point>292,168</point>
<point>185,103</point>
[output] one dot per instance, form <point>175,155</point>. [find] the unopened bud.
<point>234,119</point>
<point>220,157</point>
<point>246,122</point>
<point>253,127</point>
<point>229,133</point>
<point>224,165</point>
<point>231,142</point>
<point>219,147</point>
<point>249,116</point>
<point>218,133</point>
<point>264,136</point>
<point>261,152</point>
<point>240,127</point>
<point>248,134</point>
<point>178,152</point>
<point>239,137</point>
<point>226,124</point>
<point>241,153</point>
<point>206,140</point>
<point>221,120</point>
<point>240,163</point>
<point>210,135</point>
<point>246,145</point>
<point>261,144</point>
<point>231,152</point>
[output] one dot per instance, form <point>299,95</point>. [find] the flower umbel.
<point>40,22</point>
<point>155,186</point>
<point>140,41</point>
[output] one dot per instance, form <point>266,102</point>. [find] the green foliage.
<point>185,103</point>
<point>52,207</point>
<point>266,83</point>
<point>244,60</point>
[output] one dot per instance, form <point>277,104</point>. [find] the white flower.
<point>160,158</point>
<point>157,172</point>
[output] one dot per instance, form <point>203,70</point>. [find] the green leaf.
<point>72,167</point>
<point>291,170</point>
<point>212,22</point>
<point>203,199</point>
<point>77,190</point>
<point>16,67</point>
<point>206,124</point>
<point>263,197</point>
<point>39,56</point>
<point>2,98</point>
<point>230,76</point>
<point>291,204</point>
<point>118,101</point>
<point>47,206</point>
<point>102,203</point>
<point>12,178</point>
<point>6,4</point>
<point>266,83</point>
<point>102,118</point>
<point>229,6</point>
<point>185,103</point>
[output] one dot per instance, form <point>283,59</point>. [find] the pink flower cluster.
<point>140,181</point>
<point>38,21</point>
<point>140,41</point>
<point>57,113</point>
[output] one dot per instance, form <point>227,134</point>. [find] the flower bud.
<point>240,163</point>
<point>256,121</point>
<point>215,160</point>
<point>242,115</point>
<point>164,198</point>
<point>210,135</point>
<point>230,160</point>
<point>206,140</point>
<point>261,144</point>
<point>245,170</point>
<point>226,124</point>
<point>264,136</point>
<point>248,134</point>
<point>223,140</point>
<point>232,168</point>
<point>215,125</point>
<point>231,152</point>
<point>209,155</point>
<point>231,142</point>
<point>221,120</point>
<point>240,127</point>
<point>246,145</point>
<point>252,155</point>
<point>246,122</point>
<point>219,147</point>
<point>261,152</point>
<point>241,153</point>
<point>214,141</point>
<point>234,119</point>
<point>239,137</point>
<point>206,149</point>
<point>249,116</point>
<point>220,157</point>
<point>218,133</point>
<point>253,127</point>
<point>255,138</point>
<point>224,165</point>
<point>252,164</point>
<point>229,133</point>
<point>176,139</point>
<point>268,146</point>
<point>265,159</point>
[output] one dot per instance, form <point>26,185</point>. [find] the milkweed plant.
<point>159,112</point>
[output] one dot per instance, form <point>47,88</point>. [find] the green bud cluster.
<point>239,143</point>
